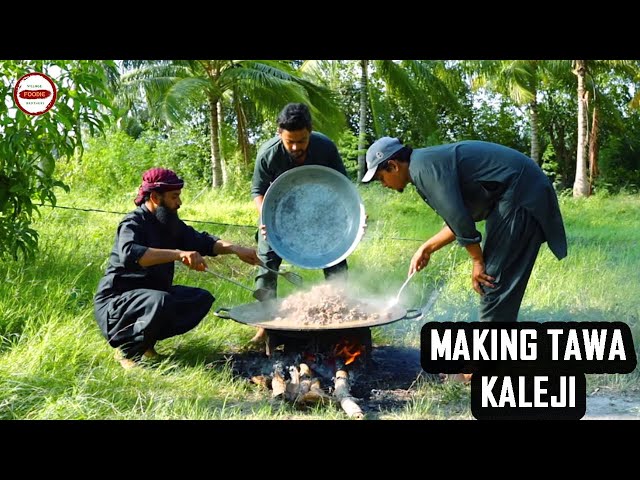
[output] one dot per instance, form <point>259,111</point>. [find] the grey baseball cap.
<point>377,153</point>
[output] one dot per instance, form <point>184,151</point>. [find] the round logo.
<point>379,155</point>
<point>35,93</point>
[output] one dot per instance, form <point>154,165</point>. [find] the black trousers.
<point>512,241</point>
<point>135,320</point>
<point>269,281</point>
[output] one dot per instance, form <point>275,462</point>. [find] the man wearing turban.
<point>136,303</point>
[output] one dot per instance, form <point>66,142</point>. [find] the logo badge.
<point>35,93</point>
<point>379,155</point>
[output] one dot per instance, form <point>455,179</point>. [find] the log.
<point>293,386</point>
<point>278,384</point>
<point>262,381</point>
<point>305,371</point>
<point>343,395</point>
<point>314,394</point>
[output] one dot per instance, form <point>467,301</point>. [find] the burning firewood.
<point>278,383</point>
<point>315,394</point>
<point>343,395</point>
<point>262,381</point>
<point>305,371</point>
<point>293,385</point>
<point>305,379</point>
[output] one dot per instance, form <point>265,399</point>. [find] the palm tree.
<point>362,124</point>
<point>174,87</point>
<point>521,80</point>
<point>421,87</point>
<point>581,184</point>
<point>586,71</point>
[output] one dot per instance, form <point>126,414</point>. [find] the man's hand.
<point>247,255</point>
<point>263,231</point>
<point>193,260</point>
<point>480,277</point>
<point>420,259</point>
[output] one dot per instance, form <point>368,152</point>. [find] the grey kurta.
<point>469,181</point>
<point>463,181</point>
<point>273,160</point>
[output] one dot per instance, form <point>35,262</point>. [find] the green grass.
<point>54,363</point>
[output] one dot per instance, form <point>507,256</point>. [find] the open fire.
<point>317,344</point>
<point>309,362</point>
<point>348,351</point>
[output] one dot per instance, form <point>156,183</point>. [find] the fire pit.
<point>324,336</point>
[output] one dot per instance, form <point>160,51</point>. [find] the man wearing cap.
<point>470,181</point>
<point>136,303</point>
<point>295,145</point>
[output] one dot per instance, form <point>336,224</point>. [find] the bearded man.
<point>136,303</point>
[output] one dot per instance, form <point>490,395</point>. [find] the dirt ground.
<point>389,383</point>
<point>603,405</point>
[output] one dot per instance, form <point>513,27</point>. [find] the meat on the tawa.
<point>326,304</point>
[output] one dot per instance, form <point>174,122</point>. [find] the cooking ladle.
<point>290,276</point>
<point>397,298</point>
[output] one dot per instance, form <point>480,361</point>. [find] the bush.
<point>117,160</point>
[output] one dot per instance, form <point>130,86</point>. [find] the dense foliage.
<point>206,119</point>
<point>31,145</point>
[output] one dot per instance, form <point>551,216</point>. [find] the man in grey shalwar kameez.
<point>470,181</point>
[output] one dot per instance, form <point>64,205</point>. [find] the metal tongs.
<point>290,276</point>
<point>259,294</point>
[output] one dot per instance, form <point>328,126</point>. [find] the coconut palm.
<point>421,87</point>
<point>586,159</point>
<point>521,80</point>
<point>174,87</point>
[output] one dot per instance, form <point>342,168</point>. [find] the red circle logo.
<point>35,93</point>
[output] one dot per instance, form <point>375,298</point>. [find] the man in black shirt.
<point>295,145</point>
<point>136,303</point>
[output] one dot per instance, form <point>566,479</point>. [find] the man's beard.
<point>169,219</point>
<point>297,155</point>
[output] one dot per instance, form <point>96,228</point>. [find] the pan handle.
<point>222,312</point>
<point>412,313</point>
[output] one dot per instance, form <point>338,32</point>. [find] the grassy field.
<point>54,363</point>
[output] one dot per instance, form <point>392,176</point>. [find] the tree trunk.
<point>216,165</point>
<point>224,166</point>
<point>243,135</point>
<point>581,183</point>
<point>535,142</point>
<point>594,148</point>
<point>362,125</point>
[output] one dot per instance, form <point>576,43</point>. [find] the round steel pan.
<point>314,216</point>
<point>263,314</point>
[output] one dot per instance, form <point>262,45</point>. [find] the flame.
<point>308,357</point>
<point>348,351</point>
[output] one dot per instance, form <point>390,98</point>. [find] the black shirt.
<point>138,231</point>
